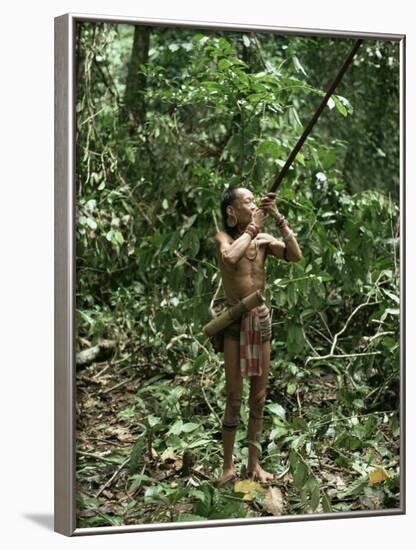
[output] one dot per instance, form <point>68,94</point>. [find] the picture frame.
<point>66,272</point>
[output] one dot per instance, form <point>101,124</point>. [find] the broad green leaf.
<point>190,427</point>
<point>276,409</point>
<point>301,475</point>
<point>278,432</point>
<point>176,429</point>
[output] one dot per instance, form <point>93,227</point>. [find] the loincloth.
<point>233,331</point>
<point>254,328</point>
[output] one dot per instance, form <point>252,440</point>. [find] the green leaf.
<point>199,443</point>
<point>224,64</point>
<point>269,148</point>
<point>153,494</point>
<point>340,106</point>
<point>326,504</point>
<point>276,409</point>
<point>301,159</point>
<point>200,360</point>
<point>176,429</point>
<point>115,237</point>
<point>136,455</point>
<point>298,423</point>
<point>153,420</point>
<point>294,117</point>
<point>190,427</point>
<point>295,339</point>
<point>315,497</point>
<point>292,294</point>
<point>348,441</point>
<point>137,481</point>
<point>86,317</point>
<point>291,388</point>
<point>92,223</point>
<point>300,475</point>
<point>392,296</point>
<point>355,488</point>
<point>278,432</point>
<point>298,66</point>
<point>199,495</point>
<point>127,413</point>
<point>293,461</point>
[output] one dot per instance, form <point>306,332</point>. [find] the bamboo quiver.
<point>233,313</point>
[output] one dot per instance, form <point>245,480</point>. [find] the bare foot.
<point>258,474</point>
<point>228,475</point>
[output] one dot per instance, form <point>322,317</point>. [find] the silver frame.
<point>64,316</point>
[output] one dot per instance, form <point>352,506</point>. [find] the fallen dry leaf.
<point>378,475</point>
<point>273,501</point>
<point>178,464</point>
<point>122,434</point>
<point>168,454</point>
<point>249,488</point>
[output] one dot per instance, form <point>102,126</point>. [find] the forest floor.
<point>149,450</point>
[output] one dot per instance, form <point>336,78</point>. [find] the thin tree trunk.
<point>134,105</point>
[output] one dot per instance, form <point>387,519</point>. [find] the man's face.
<point>244,206</point>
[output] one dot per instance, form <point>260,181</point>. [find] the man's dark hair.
<point>227,199</point>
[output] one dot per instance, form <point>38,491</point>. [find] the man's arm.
<point>231,252</point>
<point>288,251</point>
<point>293,252</point>
<point>274,246</point>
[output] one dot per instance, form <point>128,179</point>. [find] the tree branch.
<point>356,310</point>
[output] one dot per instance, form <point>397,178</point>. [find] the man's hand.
<point>259,217</point>
<point>265,240</point>
<point>268,205</point>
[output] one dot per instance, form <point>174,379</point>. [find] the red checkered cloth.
<point>255,328</point>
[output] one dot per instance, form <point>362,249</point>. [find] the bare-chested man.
<point>242,251</point>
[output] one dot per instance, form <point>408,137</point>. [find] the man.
<point>242,250</point>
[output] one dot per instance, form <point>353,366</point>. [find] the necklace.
<point>252,258</point>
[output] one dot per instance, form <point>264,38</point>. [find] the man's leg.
<point>257,397</point>
<point>234,389</point>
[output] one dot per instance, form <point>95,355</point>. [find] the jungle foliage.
<point>167,118</point>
